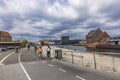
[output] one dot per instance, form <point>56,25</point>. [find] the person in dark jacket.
<point>35,48</point>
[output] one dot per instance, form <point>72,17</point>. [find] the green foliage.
<point>24,42</point>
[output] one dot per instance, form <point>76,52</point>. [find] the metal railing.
<point>93,60</point>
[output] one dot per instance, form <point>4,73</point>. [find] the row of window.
<point>5,39</point>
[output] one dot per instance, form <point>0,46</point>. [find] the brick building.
<point>5,37</point>
<point>96,37</point>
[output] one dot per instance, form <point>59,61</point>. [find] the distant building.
<point>96,37</point>
<point>114,40</point>
<point>72,42</point>
<point>43,42</point>
<point>64,38</point>
<point>6,41</point>
<point>5,37</point>
<point>81,43</point>
<point>9,44</point>
<point>57,42</point>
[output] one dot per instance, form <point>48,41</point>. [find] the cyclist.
<point>48,52</point>
<point>40,52</point>
<point>16,49</point>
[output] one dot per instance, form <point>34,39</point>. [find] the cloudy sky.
<point>44,19</point>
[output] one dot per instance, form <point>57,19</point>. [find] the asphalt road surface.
<point>25,65</point>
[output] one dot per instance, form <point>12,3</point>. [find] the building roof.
<point>90,33</point>
<point>96,34</point>
<point>5,34</point>
<point>98,37</point>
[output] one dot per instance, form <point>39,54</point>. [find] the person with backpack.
<point>40,52</point>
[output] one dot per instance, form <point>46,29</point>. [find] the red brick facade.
<point>5,37</point>
<point>96,37</point>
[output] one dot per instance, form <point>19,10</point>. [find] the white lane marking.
<point>80,77</point>
<point>51,65</point>
<point>23,67</point>
<point>5,58</point>
<point>62,70</point>
<point>43,62</point>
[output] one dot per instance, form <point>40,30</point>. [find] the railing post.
<point>82,61</point>
<point>72,58</point>
<point>94,60</point>
<point>113,63</point>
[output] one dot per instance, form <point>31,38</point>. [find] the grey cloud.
<point>112,11</point>
<point>67,26</point>
<point>1,3</point>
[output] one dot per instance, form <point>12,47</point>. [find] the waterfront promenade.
<point>104,61</point>
<point>25,65</point>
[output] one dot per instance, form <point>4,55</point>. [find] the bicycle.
<point>39,55</point>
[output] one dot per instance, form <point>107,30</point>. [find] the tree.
<point>24,42</point>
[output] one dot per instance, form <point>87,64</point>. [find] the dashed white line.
<point>5,58</point>
<point>62,70</point>
<point>51,65</point>
<point>80,77</point>
<point>23,67</point>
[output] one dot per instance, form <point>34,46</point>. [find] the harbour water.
<point>84,49</point>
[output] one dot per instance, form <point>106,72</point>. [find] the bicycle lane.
<point>11,70</point>
<point>40,70</point>
<point>4,54</point>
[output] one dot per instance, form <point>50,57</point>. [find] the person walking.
<point>28,47</point>
<point>48,52</point>
<point>40,52</point>
<point>35,47</point>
